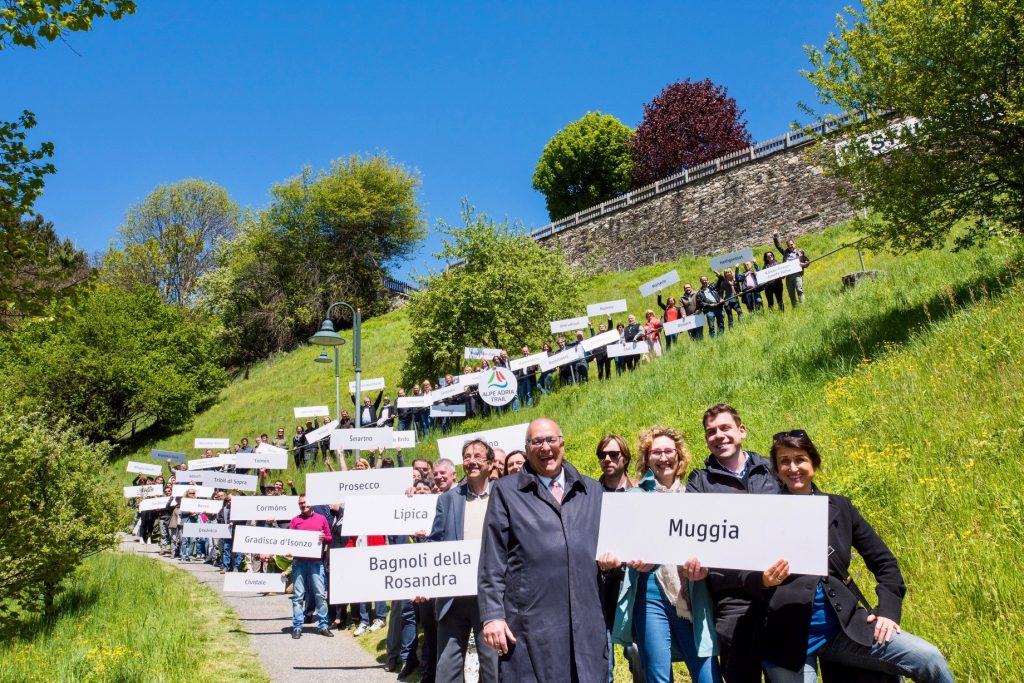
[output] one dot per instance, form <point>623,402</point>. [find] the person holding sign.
<point>672,312</point>
<point>308,573</point>
<point>711,305</point>
<point>794,282</point>
<point>814,618</point>
<point>665,606</point>
<point>690,305</point>
<point>460,516</point>
<point>539,588</point>
<point>773,289</point>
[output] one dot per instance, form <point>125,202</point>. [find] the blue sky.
<point>246,94</point>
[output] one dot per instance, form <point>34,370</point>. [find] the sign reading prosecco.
<point>335,487</point>
<point>400,572</point>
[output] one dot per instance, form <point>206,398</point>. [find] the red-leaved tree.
<point>689,123</point>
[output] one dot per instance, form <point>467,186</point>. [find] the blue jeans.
<point>657,628</point>
<point>670,339</point>
<point>525,395</point>
<point>545,381</point>
<point>380,611</point>
<point>308,575</point>
<point>232,562</point>
<point>905,655</point>
<point>713,314</point>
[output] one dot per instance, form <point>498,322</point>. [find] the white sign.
<point>144,468</point>
<point>364,439</point>
<point>628,349</point>
<point>470,378</point>
<point>413,401</point>
<point>690,322</point>
<point>722,530</point>
<point>321,432</point>
<point>403,439</point>
<point>201,505</point>
<point>190,477</point>
<point>569,324</point>
<point>230,480</point>
<point>606,308</point>
<point>145,491</point>
<point>527,361</point>
<point>375,384</point>
<point>399,515</point>
<point>213,443</point>
<point>169,456</point>
<point>500,388</point>
<point>269,540</point>
<point>264,508</point>
<point>335,487</point>
<point>569,354</point>
<point>399,572</point>
<point>179,490</point>
<point>154,503</point>
<point>652,286</point>
<point>228,459</point>
<point>447,392</point>
<point>880,141</point>
<point>603,339</point>
<point>781,270</point>
<point>312,411</point>
<point>479,352</point>
<point>731,259</point>
<point>206,463</point>
<point>251,582</point>
<point>457,410</point>
<point>196,530</point>
<point>506,438</point>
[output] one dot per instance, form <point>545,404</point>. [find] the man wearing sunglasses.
<point>730,468</point>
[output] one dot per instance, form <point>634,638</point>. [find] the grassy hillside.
<point>908,383</point>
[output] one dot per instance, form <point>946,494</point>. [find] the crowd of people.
<point>545,610</point>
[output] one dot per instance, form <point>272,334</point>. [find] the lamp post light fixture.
<point>328,337</point>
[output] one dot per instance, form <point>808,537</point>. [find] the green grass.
<point>909,383</point>
<point>127,619</point>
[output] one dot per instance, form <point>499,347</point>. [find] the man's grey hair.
<point>444,461</point>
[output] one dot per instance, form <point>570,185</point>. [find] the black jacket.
<point>782,636</point>
<point>373,409</point>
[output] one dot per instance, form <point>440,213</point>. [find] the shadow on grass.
<point>71,603</point>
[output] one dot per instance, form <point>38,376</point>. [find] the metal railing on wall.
<point>779,143</point>
<point>397,286</point>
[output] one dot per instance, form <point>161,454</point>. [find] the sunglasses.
<point>791,432</point>
<point>614,455</point>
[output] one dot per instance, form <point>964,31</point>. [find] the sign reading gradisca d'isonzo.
<point>399,572</point>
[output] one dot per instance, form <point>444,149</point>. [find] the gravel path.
<point>268,621</point>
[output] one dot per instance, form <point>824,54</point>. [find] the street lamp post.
<point>328,337</point>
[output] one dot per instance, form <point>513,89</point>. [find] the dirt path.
<point>268,621</point>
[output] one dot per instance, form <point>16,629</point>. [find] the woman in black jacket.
<point>812,618</point>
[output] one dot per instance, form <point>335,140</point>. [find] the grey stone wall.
<point>729,210</point>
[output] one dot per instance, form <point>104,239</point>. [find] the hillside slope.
<point>908,383</point>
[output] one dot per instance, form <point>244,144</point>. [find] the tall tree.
<point>22,168</point>
<point>118,360</point>
<point>503,294</point>
<point>689,123</point>
<point>169,239</point>
<point>37,269</point>
<point>584,164</point>
<point>957,67</point>
<point>23,22</point>
<point>339,230</point>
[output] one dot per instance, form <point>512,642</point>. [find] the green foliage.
<point>21,168</point>
<point>56,510</point>
<point>587,162</point>
<point>170,238</point>
<point>119,360</point>
<point>503,294</point>
<point>23,21</point>
<point>132,620</point>
<point>37,270</point>
<point>956,66</point>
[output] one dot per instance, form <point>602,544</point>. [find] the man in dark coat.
<point>539,586</point>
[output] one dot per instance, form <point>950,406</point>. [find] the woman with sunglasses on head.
<point>665,608</point>
<point>818,618</point>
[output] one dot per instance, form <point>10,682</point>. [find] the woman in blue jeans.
<point>812,619</point>
<point>665,609</point>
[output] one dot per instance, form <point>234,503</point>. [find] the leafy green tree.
<point>58,508</point>
<point>504,293</point>
<point>587,162</point>
<point>170,238</point>
<point>119,360</point>
<point>956,67</point>
<point>23,22</point>
<point>37,268</point>
<point>337,231</point>
<point>22,168</point>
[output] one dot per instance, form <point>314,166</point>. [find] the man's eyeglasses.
<point>539,441</point>
<point>791,432</point>
<point>614,455</point>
